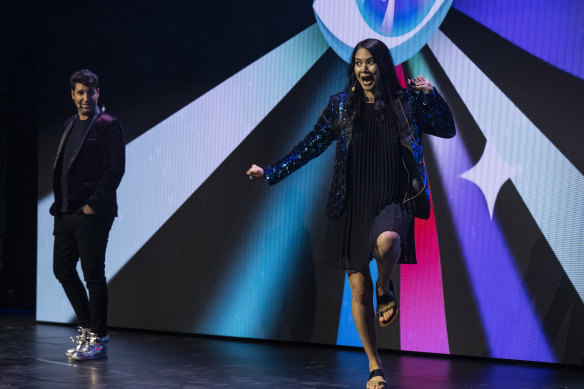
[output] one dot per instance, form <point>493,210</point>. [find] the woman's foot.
<point>376,380</point>
<point>387,308</point>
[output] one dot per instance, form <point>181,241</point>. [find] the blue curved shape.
<point>373,11</point>
<point>344,51</point>
<point>402,47</point>
<point>408,14</point>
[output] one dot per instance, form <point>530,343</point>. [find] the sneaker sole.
<point>78,358</point>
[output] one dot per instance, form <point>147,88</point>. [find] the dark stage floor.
<point>32,356</point>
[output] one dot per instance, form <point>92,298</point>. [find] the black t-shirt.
<point>72,143</point>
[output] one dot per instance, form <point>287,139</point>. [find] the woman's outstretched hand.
<point>421,84</point>
<point>255,172</point>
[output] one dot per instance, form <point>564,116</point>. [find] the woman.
<point>379,181</point>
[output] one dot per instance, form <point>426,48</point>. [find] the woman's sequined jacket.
<point>420,113</point>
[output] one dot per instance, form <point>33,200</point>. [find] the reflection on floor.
<point>32,355</point>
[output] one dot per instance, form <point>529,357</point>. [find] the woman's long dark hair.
<point>387,86</point>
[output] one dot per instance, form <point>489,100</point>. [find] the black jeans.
<point>80,236</point>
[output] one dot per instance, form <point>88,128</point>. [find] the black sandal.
<point>378,373</point>
<point>385,303</point>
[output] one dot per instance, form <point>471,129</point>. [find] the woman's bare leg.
<point>364,317</point>
<point>387,253</point>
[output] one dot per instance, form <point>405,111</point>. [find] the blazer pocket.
<point>90,185</point>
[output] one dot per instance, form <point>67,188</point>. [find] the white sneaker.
<point>78,341</point>
<point>94,348</point>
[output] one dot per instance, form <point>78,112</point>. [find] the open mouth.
<point>367,79</point>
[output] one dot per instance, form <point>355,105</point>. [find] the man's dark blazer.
<point>96,168</point>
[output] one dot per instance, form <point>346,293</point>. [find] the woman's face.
<point>365,69</point>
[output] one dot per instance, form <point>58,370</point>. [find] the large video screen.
<point>203,91</point>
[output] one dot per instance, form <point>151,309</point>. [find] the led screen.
<point>197,248</point>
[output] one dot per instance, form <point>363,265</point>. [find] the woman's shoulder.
<point>336,102</point>
<point>334,108</point>
<point>338,98</point>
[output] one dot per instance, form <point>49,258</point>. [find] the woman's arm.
<point>313,144</point>
<point>430,110</point>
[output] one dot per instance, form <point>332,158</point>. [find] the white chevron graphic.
<point>549,184</point>
<point>167,164</point>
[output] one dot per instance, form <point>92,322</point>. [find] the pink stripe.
<point>399,70</point>
<point>422,317</point>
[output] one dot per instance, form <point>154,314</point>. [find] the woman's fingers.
<point>255,172</point>
<point>420,83</point>
<point>421,80</point>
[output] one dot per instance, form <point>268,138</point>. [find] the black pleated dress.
<point>376,183</point>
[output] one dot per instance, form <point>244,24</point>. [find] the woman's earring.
<point>353,88</point>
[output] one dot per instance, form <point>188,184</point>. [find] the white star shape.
<point>490,173</point>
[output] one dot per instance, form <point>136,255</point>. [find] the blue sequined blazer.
<point>420,113</point>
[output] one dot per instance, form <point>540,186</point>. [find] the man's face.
<point>85,99</point>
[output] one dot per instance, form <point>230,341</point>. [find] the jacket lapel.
<point>404,119</point>
<point>64,138</point>
<point>66,135</point>
<point>95,116</point>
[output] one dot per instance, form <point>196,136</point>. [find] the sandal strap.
<point>376,373</point>
<point>381,309</point>
<point>386,299</point>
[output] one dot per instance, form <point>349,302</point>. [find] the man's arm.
<point>113,159</point>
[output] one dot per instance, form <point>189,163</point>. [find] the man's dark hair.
<point>85,77</point>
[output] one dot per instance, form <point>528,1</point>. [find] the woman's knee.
<point>361,287</point>
<point>387,242</point>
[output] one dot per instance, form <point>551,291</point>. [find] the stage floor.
<point>32,356</point>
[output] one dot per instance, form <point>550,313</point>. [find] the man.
<point>87,171</point>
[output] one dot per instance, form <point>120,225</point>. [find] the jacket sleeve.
<point>432,115</point>
<point>113,159</point>
<point>313,144</point>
